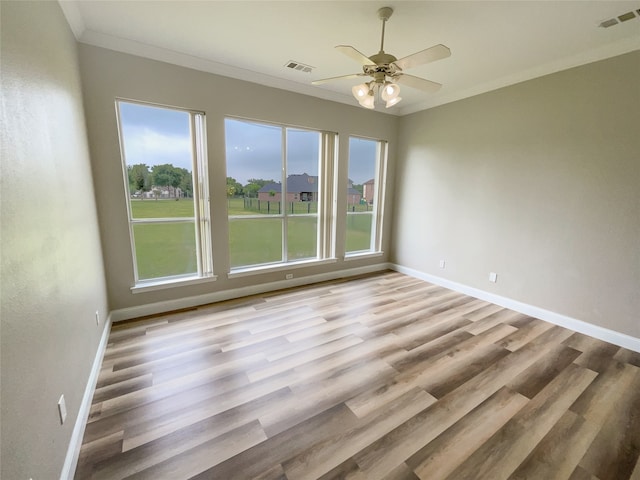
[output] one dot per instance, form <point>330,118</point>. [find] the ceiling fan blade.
<point>354,54</point>
<point>341,77</point>
<point>417,82</point>
<point>428,55</point>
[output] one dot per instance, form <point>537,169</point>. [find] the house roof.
<point>296,183</point>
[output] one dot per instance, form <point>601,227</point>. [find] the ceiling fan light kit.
<point>386,70</point>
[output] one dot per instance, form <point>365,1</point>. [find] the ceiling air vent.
<point>626,16</point>
<point>301,67</point>
<point>621,18</point>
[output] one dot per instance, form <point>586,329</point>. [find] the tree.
<point>166,175</point>
<point>139,178</point>
<point>186,183</point>
<point>255,184</point>
<point>233,187</point>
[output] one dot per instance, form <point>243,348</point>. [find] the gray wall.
<point>539,182</point>
<point>108,74</point>
<point>52,272</point>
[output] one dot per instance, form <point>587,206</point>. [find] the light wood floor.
<point>379,377</point>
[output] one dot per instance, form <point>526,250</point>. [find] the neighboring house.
<point>300,188</point>
<point>353,195</point>
<point>368,189</point>
<point>164,192</point>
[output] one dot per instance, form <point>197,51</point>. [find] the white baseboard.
<point>601,333</point>
<point>194,301</point>
<point>73,451</point>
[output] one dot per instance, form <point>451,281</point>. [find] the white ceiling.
<point>493,43</point>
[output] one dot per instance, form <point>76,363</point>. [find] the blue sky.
<point>156,136</point>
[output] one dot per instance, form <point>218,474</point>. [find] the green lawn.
<point>162,208</point>
<point>358,232</point>
<point>259,240</point>
<point>165,249</point>
<point>169,249</point>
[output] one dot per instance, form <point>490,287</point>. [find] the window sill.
<point>361,255</point>
<point>244,272</point>
<point>151,285</point>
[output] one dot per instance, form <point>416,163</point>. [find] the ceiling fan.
<point>386,70</point>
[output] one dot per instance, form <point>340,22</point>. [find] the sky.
<point>155,136</point>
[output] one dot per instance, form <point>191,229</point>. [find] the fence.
<point>274,207</point>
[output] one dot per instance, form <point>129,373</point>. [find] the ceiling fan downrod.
<point>384,14</point>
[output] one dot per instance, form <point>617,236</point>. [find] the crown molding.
<point>74,18</point>
<point>611,50</point>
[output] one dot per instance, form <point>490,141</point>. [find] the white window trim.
<point>278,267</point>
<point>170,282</point>
<point>360,254</point>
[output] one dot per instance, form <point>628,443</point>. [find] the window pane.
<point>165,249</point>
<point>303,188</point>
<point>359,232</point>
<point>255,241</point>
<point>259,158</point>
<point>165,172</point>
<point>363,161</point>
<point>254,167</point>
<point>159,160</point>
<point>303,157</point>
<point>362,173</point>
<point>302,238</point>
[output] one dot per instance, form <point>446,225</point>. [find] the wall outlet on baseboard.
<point>493,277</point>
<point>62,409</point>
<point>442,263</point>
<point>97,317</point>
<point>289,276</point>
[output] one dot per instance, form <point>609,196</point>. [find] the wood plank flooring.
<point>377,377</point>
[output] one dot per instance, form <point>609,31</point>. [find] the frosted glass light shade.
<point>360,91</point>
<point>390,91</point>
<point>393,101</point>
<point>368,101</point>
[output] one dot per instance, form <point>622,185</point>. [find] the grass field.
<point>255,241</point>
<point>169,249</point>
<point>165,249</point>
<point>162,208</point>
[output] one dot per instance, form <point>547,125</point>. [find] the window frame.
<point>325,215</point>
<point>201,218</point>
<point>377,214</point>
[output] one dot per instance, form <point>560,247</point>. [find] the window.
<point>278,206</point>
<point>163,153</point>
<point>367,159</point>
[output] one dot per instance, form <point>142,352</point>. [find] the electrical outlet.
<point>493,277</point>
<point>289,276</point>
<point>62,409</point>
<point>97,317</point>
<point>442,263</point>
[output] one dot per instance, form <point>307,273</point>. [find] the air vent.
<point>608,23</point>
<point>626,16</point>
<point>621,18</point>
<point>301,67</point>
